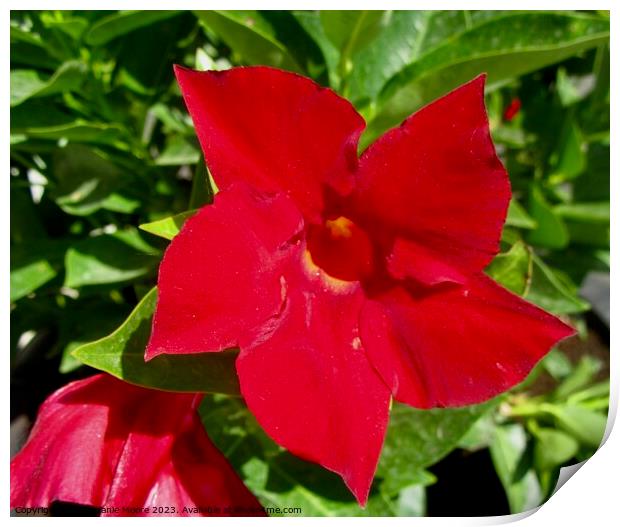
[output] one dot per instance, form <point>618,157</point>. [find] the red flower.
<point>512,109</point>
<point>345,281</point>
<point>106,443</point>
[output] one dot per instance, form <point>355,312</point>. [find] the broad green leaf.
<point>85,178</point>
<point>513,269</point>
<point>518,216</point>
<point>550,293</point>
<point>96,133</point>
<point>121,23</point>
<point>569,159</point>
<point>28,275</point>
<point>351,31</point>
<point>593,185</point>
<point>553,448</point>
<point>26,84</point>
<point>557,364</point>
<point>203,186</point>
<point>122,354</point>
<point>34,264</point>
<point>412,501</point>
<point>173,119</point>
<point>585,212</point>
<point>396,481</point>
<point>592,394</point>
<point>508,449</point>
<point>143,62</point>
<point>310,21</point>
<point>504,46</point>
<point>590,234</point>
<point>588,426</point>
<point>178,151</point>
<point>279,479</point>
<point>73,26</point>
<point>26,54</point>
<point>37,120</point>
<point>169,227</point>
<point>581,376</point>
<point>98,318</point>
<point>407,35</point>
<point>550,231</point>
<point>480,434</point>
<point>109,259</point>
<point>120,202</point>
<point>572,89</point>
<point>418,438</point>
<point>249,35</point>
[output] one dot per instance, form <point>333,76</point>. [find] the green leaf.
<point>72,26</point>
<point>569,158</point>
<point>480,434</point>
<point>203,186</point>
<point>550,231</point>
<point>412,501</point>
<point>588,426</point>
<point>557,364</point>
<point>169,227</point>
<point>513,269</point>
<point>28,274</point>
<point>178,151</point>
<point>594,394</point>
<point>418,438</point>
<point>407,35</point>
<point>585,212</point>
<point>505,46</point>
<point>550,293</point>
<point>34,264</point>
<point>518,216</point>
<point>122,354</point>
<point>98,318</point>
<point>279,479</point>
<point>310,21</point>
<point>109,259</point>
<point>121,23</point>
<point>587,223</point>
<point>593,184</point>
<point>38,120</point>
<point>553,448</point>
<point>26,84</point>
<point>508,451</point>
<point>572,89</point>
<point>251,36</point>
<point>351,31</point>
<point>85,179</point>
<point>579,378</point>
<point>122,203</point>
<point>28,49</point>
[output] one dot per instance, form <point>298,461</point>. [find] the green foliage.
<point>508,449</point>
<point>105,168</point>
<point>415,440</point>
<point>122,355</point>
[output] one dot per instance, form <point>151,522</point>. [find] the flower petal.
<point>455,345</point>
<point>275,130</point>
<point>310,384</point>
<point>219,280</point>
<point>106,443</point>
<point>437,182</point>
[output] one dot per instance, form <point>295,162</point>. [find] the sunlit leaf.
<point>122,354</point>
